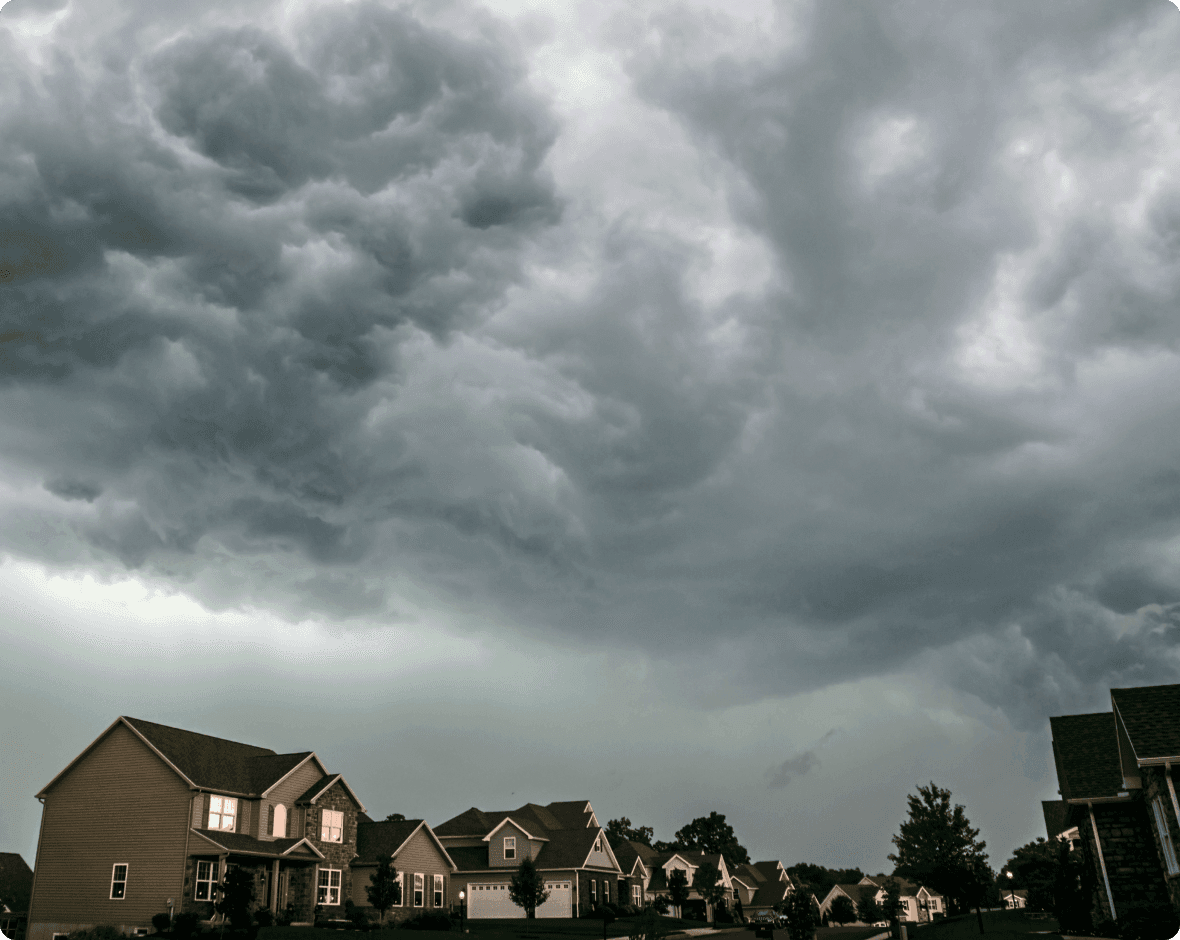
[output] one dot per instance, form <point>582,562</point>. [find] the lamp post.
<point>462,910</point>
<point>1011,893</point>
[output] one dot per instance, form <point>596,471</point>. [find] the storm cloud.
<point>788,345</point>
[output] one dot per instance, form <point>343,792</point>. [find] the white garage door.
<point>560,903</point>
<point>492,901</point>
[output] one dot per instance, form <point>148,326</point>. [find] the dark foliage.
<point>820,880</point>
<point>429,920</point>
<point>621,830</point>
<point>161,922</point>
<point>185,924</point>
<point>712,834</point>
<point>527,888</point>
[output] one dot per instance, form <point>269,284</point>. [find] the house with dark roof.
<point>634,873</point>
<point>1109,811</point>
<point>661,865</point>
<point>919,904</point>
<point>1057,824</point>
<point>761,885</point>
<point>563,839</point>
<point>149,818</point>
<point>423,866</point>
<point>855,893</point>
<point>16,885</point>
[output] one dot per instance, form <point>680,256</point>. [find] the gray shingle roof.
<point>376,840</point>
<point>1056,817</point>
<point>217,763</point>
<point>242,844</point>
<point>1151,715</point>
<point>16,881</point>
<point>1085,748</point>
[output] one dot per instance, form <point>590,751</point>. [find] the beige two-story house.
<point>423,866</point>
<point>148,819</point>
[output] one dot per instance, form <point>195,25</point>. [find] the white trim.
<point>509,848</point>
<point>1172,791</point>
<point>610,853</point>
<point>438,891</point>
<point>401,894</point>
<point>339,886</point>
<point>1165,836</point>
<point>505,821</point>
<point>419,880</point>
<point>123,881</point>
<point>310,756</point>
<point>326,828</point>
<point>442,848</point>
<point>210,881</point>
<point>1102,864</point>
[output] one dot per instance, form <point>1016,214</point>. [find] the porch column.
<point>274,888</point>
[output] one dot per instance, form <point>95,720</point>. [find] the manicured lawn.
<point>997,925</point>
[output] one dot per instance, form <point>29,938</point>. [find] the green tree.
<point>842,911</point>
<point>1072,888</point>
<point>801,914</point>
<point>394,817</point>
<point>621,830</point>
<point>678,889</point>
<point>891,904</point>
<point>820,880</point>
<point>706,881</point>
<point>527,888</point>
<point>867,908</point>
<point>1034,868</point>
<point>713,835</point>
<point>235,896</point>
<point>937,847</point>
<point>385,891</point>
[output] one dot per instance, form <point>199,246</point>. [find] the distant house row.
<point>1119,804</point>
<point>919,905</point>
<point>149,819</point>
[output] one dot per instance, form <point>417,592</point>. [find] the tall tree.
<point>385,891</point>
<point>713,835</point>
<point>678,889</point>
<point>820,880</point>
<point>706,881</point>
<point>842,911</point>
<point>1034,868</point>
<point>867,909</point>
<point>937,847</point>
<point>527,888</point>
<point>891,904</point>
<point>801,914</point>
<point>620,830</point>
<point>235,895</point>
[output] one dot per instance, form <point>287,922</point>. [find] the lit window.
<point>593,891</point>
<point>637,895</point>
<point>605,891</point>
<point>222,812</point>
<point>329,886</point>
<point>118,882</point>
<point>206,877</point>
<point>510,846</point>
<point>279,826</point>
<point>1161,825</point>
<point>331,825</point>
<point>438,891</point>
<point>418,890</point>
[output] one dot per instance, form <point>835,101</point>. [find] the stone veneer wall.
<point>1132,864</point>
<point>336,854</point>
<point>1155,785</point>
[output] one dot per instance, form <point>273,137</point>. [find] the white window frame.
<point>329,832</point>
<point>210,881</point>
<point>605,891</point>
<point>438,891</point>
<point>401,883</point>
<point>327,889</point>
<point>119,881</point>
<point>419,889</point>
<point>510,847</point>
<point>598,843</point>
<point>593,891</point>
<point>1161,827</point>
<point>225,822</point>
<point>637,895</point>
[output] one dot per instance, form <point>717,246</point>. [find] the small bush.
<point>185,924</point>
<point>722,915</point>
<point>660,904</point>
<point>161,922</point>
<point>286,916</point>
<point>428,920</point>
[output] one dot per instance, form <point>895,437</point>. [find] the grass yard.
<point>561,928</point>
<point>997,925</point>
<point>843,933</point>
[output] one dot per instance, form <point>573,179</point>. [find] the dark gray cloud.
<point>797,765</point>
<point>293,306</point>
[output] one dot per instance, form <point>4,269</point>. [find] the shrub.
<point>185,924</point>
<point>358,916</point>
<point>286,916</point>
<point>722,915</point>
<point>1148,923</point>
<point>429,920</point>
<point>264,917</point>
<point>660,904</point>
<point>161,922</point>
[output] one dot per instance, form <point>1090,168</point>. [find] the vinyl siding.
<point>496,857</point>
<point>287,792</point>
<point>419,855</point>
<point>119,804</point>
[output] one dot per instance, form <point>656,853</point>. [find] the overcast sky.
<point>754,407</point>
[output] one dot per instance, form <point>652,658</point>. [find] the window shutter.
<point>198,811</point>
<point>270,822</point>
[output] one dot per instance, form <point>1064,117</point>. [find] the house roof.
<point>1085,748</point>
<point>470,858</point>
<point>1056,817</point>
<point>908,888</point>
<point>1151,717</point>
<point>570,848</point>
<point>854,892</point>
<point>16,881</point>
<point>206,762</point>
<point>376,840</point>
<point>470,822</point>
<point>238,843</point>
<point>628,856</point>
<point>323,785</point>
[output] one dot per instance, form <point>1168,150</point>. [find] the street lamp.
<point>462,910</point>
<point>1011,893</point>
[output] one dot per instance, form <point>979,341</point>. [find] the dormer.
<point>510,843</point>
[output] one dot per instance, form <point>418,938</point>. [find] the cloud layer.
<point>848,349</point>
